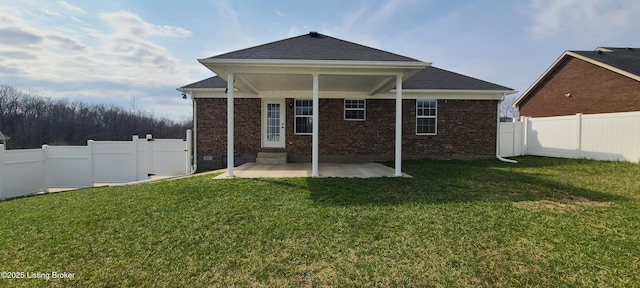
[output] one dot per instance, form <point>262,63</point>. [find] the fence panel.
<point>168,157</point>
<point>114,162</point>
<point>510,139</point>
<point>553,137</point>
<point>68,166</point>
<point>22,172</point>
<point>611,136</point>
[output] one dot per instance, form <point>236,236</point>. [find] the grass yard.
<point>541,222</point>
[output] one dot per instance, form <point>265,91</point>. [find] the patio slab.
<point>341,170</point>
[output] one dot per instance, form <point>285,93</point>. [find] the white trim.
<point>345,64</point>
<point>295,116</point>
<point>283,119</point>
<point>398,145</point>
<point>407,94</point>
<point>427,117</point>
<point>364,109</point>
<point>315,140</point>
<point>230,154</point>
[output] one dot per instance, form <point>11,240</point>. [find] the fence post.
<point>46,167</point>
<point>188,165</point>
<point>525,133</point>
<point>2,197</point>
<point>90,157</point>
<point>579,135</point>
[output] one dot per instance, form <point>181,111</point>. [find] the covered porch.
<point>270,80</point>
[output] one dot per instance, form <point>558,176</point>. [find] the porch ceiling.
<point>289,82</point>
<point>371,77</point>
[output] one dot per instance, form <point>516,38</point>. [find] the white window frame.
<point>363,109</point>
<point>435,116</point>
<point>296,116</point>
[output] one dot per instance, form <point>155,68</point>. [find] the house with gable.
<point>315,98</point>
<point>605,80</point>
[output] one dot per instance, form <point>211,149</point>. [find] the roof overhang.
<point>560,59</point>
<point>255,75</point>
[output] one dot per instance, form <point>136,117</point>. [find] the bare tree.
<point>507,110</point>
<point>32,120</point>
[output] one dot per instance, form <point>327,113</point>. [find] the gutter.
<point>498,136</point>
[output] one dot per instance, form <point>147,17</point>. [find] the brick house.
<point>606,80</point>
<point>321,99</point>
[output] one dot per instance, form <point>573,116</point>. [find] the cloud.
<point>72,8</point>
<point>581,18</point>
<point>66,43</point>
<point>14,54</point>
<point>17,37</point>
<point>130,23</point>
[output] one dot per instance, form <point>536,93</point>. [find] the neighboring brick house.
<point>602,81</point>
<point>321,99</point>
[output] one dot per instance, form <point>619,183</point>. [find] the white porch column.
<point>398,164</point>
<point>230,157</point>
<point>314,149</point>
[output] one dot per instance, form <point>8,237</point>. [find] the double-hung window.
<point>354,109</point>
<point>304,117</point>
<point>426,117</point>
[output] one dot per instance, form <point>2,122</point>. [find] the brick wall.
<point>593,90</point>
<point>466,129</point>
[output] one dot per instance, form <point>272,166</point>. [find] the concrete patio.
<point>342,170</point>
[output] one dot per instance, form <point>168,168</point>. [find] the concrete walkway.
<point>342,170</point>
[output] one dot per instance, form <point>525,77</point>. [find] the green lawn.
<point>541,222</point>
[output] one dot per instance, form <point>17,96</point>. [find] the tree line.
<point>31,121</point>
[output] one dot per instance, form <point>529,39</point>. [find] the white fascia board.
<point>605,66</point>
<point>316,64</point>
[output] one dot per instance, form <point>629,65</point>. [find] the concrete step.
<point>271,158</point>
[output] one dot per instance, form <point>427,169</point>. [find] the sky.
<point>134,53</point>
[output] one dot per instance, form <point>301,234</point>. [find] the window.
<point>304,116</point>
<point>354,109</point>
<point>426,111</point>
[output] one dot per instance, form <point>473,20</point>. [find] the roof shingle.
<point>314,46</point>
<point>626,59</point>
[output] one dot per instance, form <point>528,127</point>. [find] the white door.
<point>273,123</point>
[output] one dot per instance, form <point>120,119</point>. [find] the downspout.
<point>498,136</point>
<point>194,165</point>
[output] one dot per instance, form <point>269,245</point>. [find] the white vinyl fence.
<point>608,136</point>
<point>24,172</point>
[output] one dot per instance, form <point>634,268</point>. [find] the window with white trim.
<point>355,109</point>
<point>304,117</point>
<point>426,117</point>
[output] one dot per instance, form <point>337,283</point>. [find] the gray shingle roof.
<point>209,83</point>
<point>314,46</point>
<point>626,59</point>
<point>431,78</point>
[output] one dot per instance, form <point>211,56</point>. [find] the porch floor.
<point>341,170</point>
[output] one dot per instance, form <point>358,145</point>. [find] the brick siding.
<point>593,90</point>
<point>465,129</point>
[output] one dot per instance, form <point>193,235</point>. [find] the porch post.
<point>398,164</point>
<point>230,157</point>
<point>314,149</point>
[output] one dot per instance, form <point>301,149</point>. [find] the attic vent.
<point>313,34</point>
